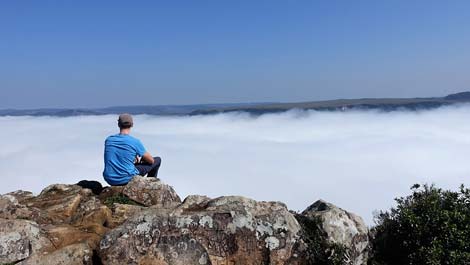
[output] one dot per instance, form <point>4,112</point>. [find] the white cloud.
<point>359,161</point>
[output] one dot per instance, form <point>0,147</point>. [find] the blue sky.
<point>96,54</point>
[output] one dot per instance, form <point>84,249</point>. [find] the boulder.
<point>66,215</point>
<point>65,235</point>
<point>76,254</point>
<point>145,222</point>
<point>19,239</point>
<point>151,192</point>
<point>343,228</point>
<point>225,230</point>
<point>58,203</point>
<point>11,208</point>
<point>73,215</point>
<point>194,202</point>
<point>122,212</point>
<point>21,195</point>
<point>110,191</point>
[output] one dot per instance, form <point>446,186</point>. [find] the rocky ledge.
<point>145,222</point>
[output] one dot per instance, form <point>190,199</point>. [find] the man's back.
<point>119,154</point>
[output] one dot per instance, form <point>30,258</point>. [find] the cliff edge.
<point>145,222</point>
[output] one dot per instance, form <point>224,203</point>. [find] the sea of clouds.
<point>359,160</point>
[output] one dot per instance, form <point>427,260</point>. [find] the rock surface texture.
<point>225,230</point>
<point>145,222</point>
<point>64,222</point>
<point>344,228</point>
<point>150,191</point>
<point>19,239</point>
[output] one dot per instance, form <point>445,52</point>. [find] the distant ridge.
<point>383,104</point>
<point>162,110</point>
<point>463,96</point>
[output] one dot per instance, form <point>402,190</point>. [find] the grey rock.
<point>12,205</point>
<point>10,208</point>
<point>21,195</point>
<point>77,254</point>
<point>194,202</point>
<point>67,223</point>
<point>225,230</point>
<point>19,239</point>
<point>122,212</point>
<point>151,192</point>
<point>58,203</point>
<point>342,228</point>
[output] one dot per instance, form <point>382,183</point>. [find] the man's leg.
<point>155,167</point>
<point>150,169</point>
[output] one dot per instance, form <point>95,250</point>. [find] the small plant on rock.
<point>119,198</point>
<point>320,251</point>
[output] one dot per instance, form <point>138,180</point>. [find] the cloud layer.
<point>357,160</point>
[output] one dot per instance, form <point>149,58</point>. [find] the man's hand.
<point>148,158</point>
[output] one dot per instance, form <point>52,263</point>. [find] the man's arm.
<point>148,158</point>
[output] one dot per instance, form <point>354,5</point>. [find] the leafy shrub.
<point>430,226</point>
<point>119,198</point>
<point>320,251</point>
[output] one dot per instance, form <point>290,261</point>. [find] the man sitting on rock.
<point>125,156</point>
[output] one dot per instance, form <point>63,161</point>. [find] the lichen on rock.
<point>343,229</point>
<point>145,222</point>
<point>227,229</point>
<point>151,192</point>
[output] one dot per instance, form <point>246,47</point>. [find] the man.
<point>125,156</point>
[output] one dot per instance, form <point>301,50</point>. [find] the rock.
<point>84,217</point>
<point>151,192</point>
<point>77,254</point>
<point>8,205</point>
<point>21,195</point>
<point>110,192</point>
<point>343,228</point>
<point>58,203</point>
<point>122,212</point>
<point>19,239</point>
<point>145,222</point>
<point>225,230</point>
<point>10,208</point>
<point>91,211</point>
<point>68,215</point>
<point>65,235</point>
<point>194,202</point>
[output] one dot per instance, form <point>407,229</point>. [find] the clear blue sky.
<point>105,53</point>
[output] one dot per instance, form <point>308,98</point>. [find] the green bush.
<point>430,226</point>
<point>119,198</point>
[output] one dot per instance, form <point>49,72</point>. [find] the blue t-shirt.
<point>120,151</point>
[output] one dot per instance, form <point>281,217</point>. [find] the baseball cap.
<point>125,119</point>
